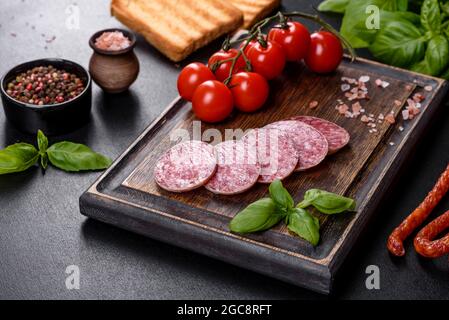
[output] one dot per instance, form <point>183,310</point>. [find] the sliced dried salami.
<point>276,153</point>
<point>311,145</point>
<point>237,170</point>
<point>186,166</point>
<point>336,136</point>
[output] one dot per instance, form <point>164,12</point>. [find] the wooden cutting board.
<point>127,196</point>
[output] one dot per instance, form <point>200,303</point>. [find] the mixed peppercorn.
<point>44,86</point>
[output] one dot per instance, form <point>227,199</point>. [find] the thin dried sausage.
<point>395,241</point>
<point>437,248</point>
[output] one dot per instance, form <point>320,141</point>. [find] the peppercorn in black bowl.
<point>53,95</point>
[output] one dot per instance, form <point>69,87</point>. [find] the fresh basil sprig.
<point>64,155</point>
<point>268,212</point>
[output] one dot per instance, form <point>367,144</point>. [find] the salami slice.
<point>186,166</point>
<point>276,153</point>
<point>311,145</point>
<point>237,170</point>
<point>336,136</point>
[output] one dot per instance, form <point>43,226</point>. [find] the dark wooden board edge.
<point>252,256</point>
<point>200,239</point>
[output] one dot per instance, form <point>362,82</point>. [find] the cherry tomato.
<point>250,44</point>
<point>191,77</point>
<point>222,73</point>
<point>250,91</point>
<point>212,101</point>
<point>325,52</point>
<point>295,40</point>
<point>267,61</point>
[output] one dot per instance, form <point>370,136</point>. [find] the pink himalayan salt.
<point>112,41</point>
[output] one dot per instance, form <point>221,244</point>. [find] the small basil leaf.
<point>437,54</point>
<point>18,157</point>
<point>304,225</point>
<point>436,59</point>
<point>75,157</point>
<point>42,142</point>
<point>327,202</point>
<point>280,195</point>
<point>338,6</point>
<point>258,216</point>
<point>401,44</point>
<point>431,16</point>
<point>44,160</point>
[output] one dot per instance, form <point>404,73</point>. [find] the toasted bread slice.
<point>255,10</point>
<point>178,27</point>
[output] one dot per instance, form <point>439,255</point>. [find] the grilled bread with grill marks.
<point>178,27</point>
<point>255,10</point>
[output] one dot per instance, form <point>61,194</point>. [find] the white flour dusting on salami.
<point>238,169</point>
<point>336,136</point>
<point>276,153</point>
<point>311,145</point>
<point>186,166</point>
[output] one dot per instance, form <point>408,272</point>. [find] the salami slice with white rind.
<point>336,136</point>
<point>186,166</point>
<point>311,145</point>
<point>276,153</point>
<point>238,169</point>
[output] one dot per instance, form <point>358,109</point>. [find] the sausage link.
<point>423,241</point>
<point>395,241</point>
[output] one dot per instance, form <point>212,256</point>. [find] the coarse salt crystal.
<point>428,88</point>
<point>385,84</point>
<point>392,143</point>
<point>390,118</point>
<point>401,128</point>
<point>345,87</point>
<point>364,118</point>
<point>364,79</point>
<point>381,116</point>
<point>405,114</point>
<point>313,104</point>
<point>343,108</point>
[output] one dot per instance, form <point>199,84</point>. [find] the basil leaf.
<point>42,143</point>
<point>354,25</point>
<point>75,157</point>
<point>338,6</point>
<point>437,54</point>
<point>431,16</point>
<point>18,157</point>
<point>304,225</point>
<point>44,160</point>
<point>436,58</point>
<point>401,44</point>
<point>280,195</point>
<point>258,216</point>
<point>327,202</point>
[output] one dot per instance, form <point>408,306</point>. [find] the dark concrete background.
<point>42,231</point>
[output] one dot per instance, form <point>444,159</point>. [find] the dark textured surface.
<point>42,232</point>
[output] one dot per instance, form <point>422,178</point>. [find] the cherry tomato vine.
<point>244,66</point>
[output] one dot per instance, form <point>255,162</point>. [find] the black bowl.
<point>51,119</point>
